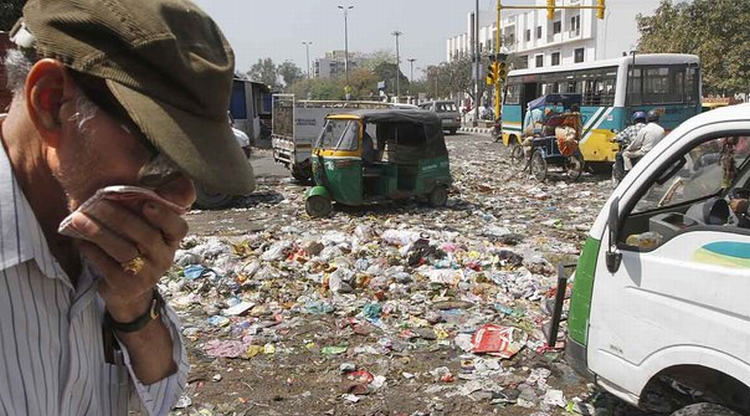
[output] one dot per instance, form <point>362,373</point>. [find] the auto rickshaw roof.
<point>434,141</point>
<point>552,99</point>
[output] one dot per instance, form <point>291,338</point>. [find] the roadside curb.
<point>478,130</point>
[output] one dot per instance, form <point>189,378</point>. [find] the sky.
<point>276,28</point>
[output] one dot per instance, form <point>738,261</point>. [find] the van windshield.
<point>339,135</point>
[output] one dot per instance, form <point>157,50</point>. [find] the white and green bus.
<point>611,90</point>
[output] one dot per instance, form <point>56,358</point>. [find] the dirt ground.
<point>296,378</point>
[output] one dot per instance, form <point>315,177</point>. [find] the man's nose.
<point>179,190</point>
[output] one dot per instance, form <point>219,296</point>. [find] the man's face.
<point>101,151</point>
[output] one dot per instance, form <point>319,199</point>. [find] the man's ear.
<point>48,87</point>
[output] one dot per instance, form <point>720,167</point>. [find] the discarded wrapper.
<point>133,197</point>
<point>497,340</point>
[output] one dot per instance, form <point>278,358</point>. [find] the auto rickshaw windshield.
<point>339,135</point>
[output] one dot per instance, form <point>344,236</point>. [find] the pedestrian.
<point>117,92</point>
<point>648,137</point>
<point>624,138</point>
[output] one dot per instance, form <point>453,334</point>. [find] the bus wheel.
<point>538,166</point>
<point>704,409</point>
<point>517,158</point>
<point>438,196</point>
<point>318,206</point>
<point>574,167</point>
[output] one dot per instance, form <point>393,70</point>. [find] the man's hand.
<point>739,206</point>
<point>115,235</point>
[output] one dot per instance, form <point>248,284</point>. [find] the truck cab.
<point>660,297</point>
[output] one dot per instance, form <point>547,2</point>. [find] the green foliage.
<point>317,89</point>
<point>715,30</point>
<point>386,71</point>
<point>290,72</point>
<point>10,11</point>
<point>264,71</point>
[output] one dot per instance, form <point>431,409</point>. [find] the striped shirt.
<point>52,357</point>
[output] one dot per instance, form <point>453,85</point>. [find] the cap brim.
<point>205,149</point>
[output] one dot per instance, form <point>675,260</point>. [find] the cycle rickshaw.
<point>554,143</point>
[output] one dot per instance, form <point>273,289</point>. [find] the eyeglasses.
<point>159,170</point>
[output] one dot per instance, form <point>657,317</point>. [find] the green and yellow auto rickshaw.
<point>371,156</point>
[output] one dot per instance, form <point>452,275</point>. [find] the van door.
<point>680,295</point>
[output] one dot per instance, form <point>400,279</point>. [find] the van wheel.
<point>438,197</point>
<point>452,131</point>
<point>704,409</point>
<point>318,206</point>
<point>538,166</point>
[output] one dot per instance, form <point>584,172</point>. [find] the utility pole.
<point>307,48</point>
<point>346,41</point>
<point>411,69</point>
<point>477,54</point>
<point>397,33</point>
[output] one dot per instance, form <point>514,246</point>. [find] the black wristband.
<point>153,312</point>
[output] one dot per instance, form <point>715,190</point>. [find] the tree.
<point>264,71</point>
<point>290,72</point>
<point>715,30</point>
<point>317,89</point>
<point>364,83</point>
<point>10,11</point>
<point>386,71</point>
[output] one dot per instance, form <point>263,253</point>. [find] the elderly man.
<point>116,92</point>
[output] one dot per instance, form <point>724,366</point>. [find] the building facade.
<point>572,36</point>
<point>333,64</point>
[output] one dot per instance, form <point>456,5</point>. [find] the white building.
<point>571,36</point>
<point>333,64</point>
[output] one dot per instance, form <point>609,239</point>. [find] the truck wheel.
<point>453,132</point>
<point>538,166</point>
<point>318,206</point>
<point>438,196</point>
<point>705,409</point>
<point>206,199</point>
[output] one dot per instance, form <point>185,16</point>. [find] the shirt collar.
<point>21,236</point>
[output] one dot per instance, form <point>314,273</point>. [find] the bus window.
<point>513,96</point>
<point>658,85</point>
<point>635,85</point>
<point>691,85</point>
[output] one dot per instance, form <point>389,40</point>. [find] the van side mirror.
<point>613,257</point>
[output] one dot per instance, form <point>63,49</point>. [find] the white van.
<point>660,306</point>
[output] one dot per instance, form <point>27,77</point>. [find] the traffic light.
<point>600,10</point>
<point>551,9</point>
<point>492,73</point>
<point>502,70</point>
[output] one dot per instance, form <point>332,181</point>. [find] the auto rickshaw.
<point>370,156</point>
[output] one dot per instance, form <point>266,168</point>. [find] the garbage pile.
<point>396,310</point>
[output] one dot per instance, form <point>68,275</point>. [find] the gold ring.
<point>134,266</point>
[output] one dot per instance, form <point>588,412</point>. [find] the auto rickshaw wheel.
<point>438,196</point>
<point>318,206</point>
<point>517,158</point>
<point>538,166</point>
<point>574,167</point>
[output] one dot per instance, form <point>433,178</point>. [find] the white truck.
<point>660,306</point>
<point>296,125</point>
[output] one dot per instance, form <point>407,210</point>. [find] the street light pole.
<point>411,69</point>
<point>346,41</point>
<point>397,33</point>
<point>307,47</point>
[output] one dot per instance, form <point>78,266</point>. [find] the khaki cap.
<point>168,65</point>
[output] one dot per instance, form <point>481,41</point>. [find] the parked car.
<point>447,112</point>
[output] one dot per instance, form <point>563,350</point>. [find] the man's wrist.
<point>129,312</point>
